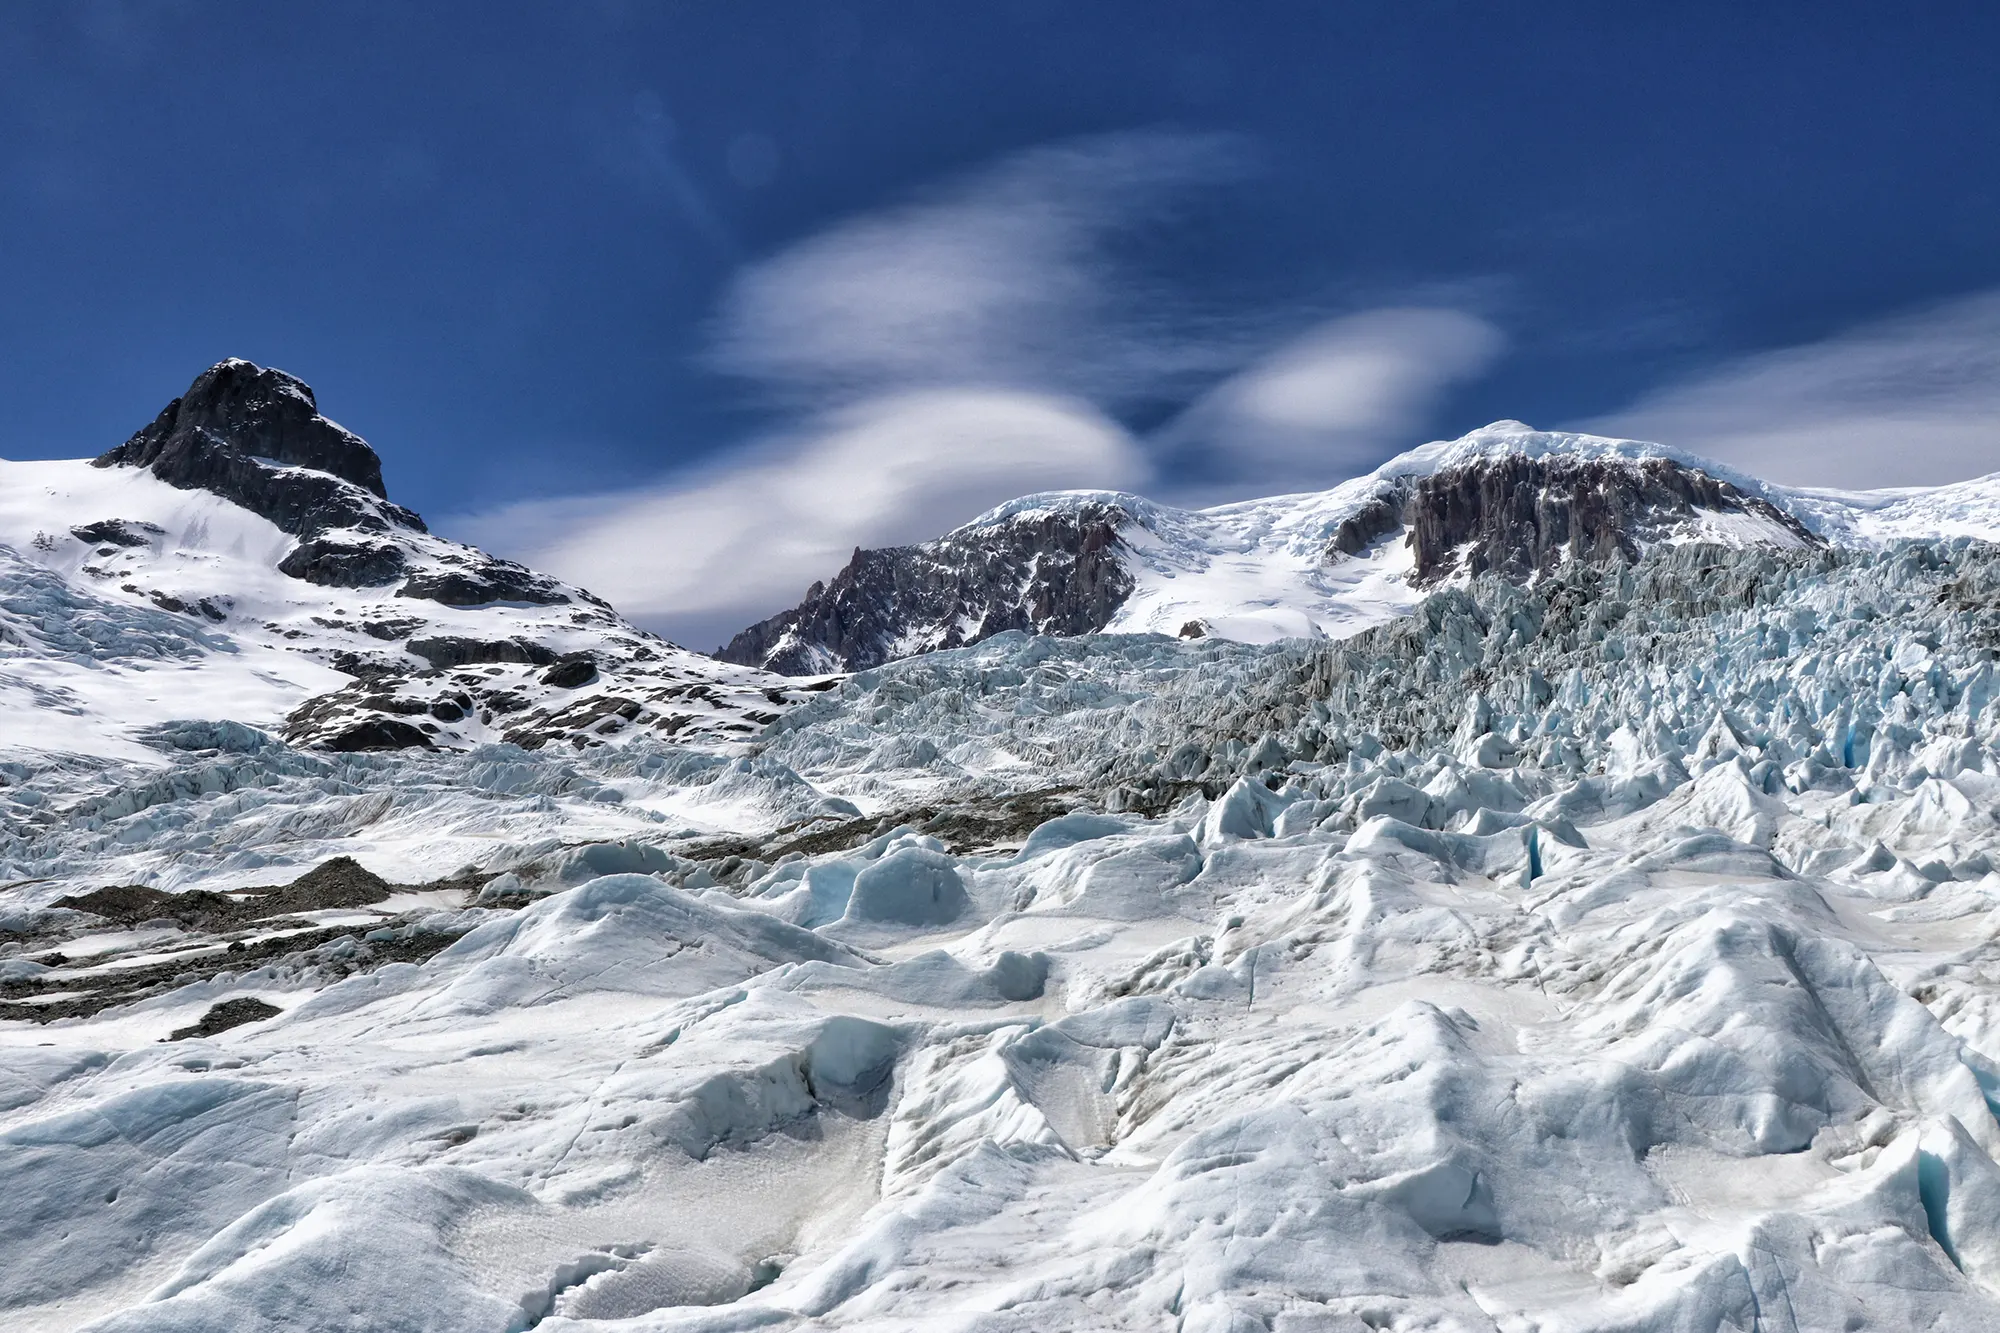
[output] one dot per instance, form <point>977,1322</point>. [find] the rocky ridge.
<point>1045,573</point>
<point>240,430</point>
<point>1506,499</point>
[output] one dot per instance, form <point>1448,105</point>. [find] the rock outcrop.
<point>1517,516</point>
<point>345,564</point>
<point>1043,571</point>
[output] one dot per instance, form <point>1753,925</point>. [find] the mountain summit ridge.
<point>386,634</point>
<point>1505,498</point>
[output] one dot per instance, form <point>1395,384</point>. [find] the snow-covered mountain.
<point>238,558</point>
<point>1467,931</point>
<point>1330,563</point>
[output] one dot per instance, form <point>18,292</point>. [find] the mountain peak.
<point>242,408</point>
<point>1509,438</point>
<point>237,432</point>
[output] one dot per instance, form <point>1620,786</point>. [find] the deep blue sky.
<point>494,236</point>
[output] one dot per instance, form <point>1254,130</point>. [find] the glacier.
<point>1612,949</point>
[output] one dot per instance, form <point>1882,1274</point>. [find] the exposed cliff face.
<point>1047,572</point>
<point>254,436</point>
<point>1518,516</point>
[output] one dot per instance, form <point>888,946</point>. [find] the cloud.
<point>1908,401</point>
<point>938,357</point>
<point>972,344</point>
<point>1331,401</point>
<point>1010,276</point>
<point>699,557</point>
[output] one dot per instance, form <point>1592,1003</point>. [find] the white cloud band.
<point>1909,401</point>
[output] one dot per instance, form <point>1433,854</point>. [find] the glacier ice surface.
<point>1615,953</point>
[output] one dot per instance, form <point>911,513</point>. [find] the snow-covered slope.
<point>126,601</point>
<point>1251,572</point>
<point>1327,563</point>
<point>1877,518</point>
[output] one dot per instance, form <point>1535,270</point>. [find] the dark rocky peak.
<point>255,436</point>
<point>1047,571</point>
<point>1518,515</point>
<point>238,407</point>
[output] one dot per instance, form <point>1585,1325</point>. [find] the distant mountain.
<point>1505,499</point>
<point>1053,570</point>
<point>239,558</point>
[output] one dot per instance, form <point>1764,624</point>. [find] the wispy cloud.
<point>1010,276</point>
<point>1908,401</point>
<point>1330,402</point>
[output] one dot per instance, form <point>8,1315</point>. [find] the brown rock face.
<point>1054,572</point>
<point>1517,516</point>
<point>1372,522</point>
